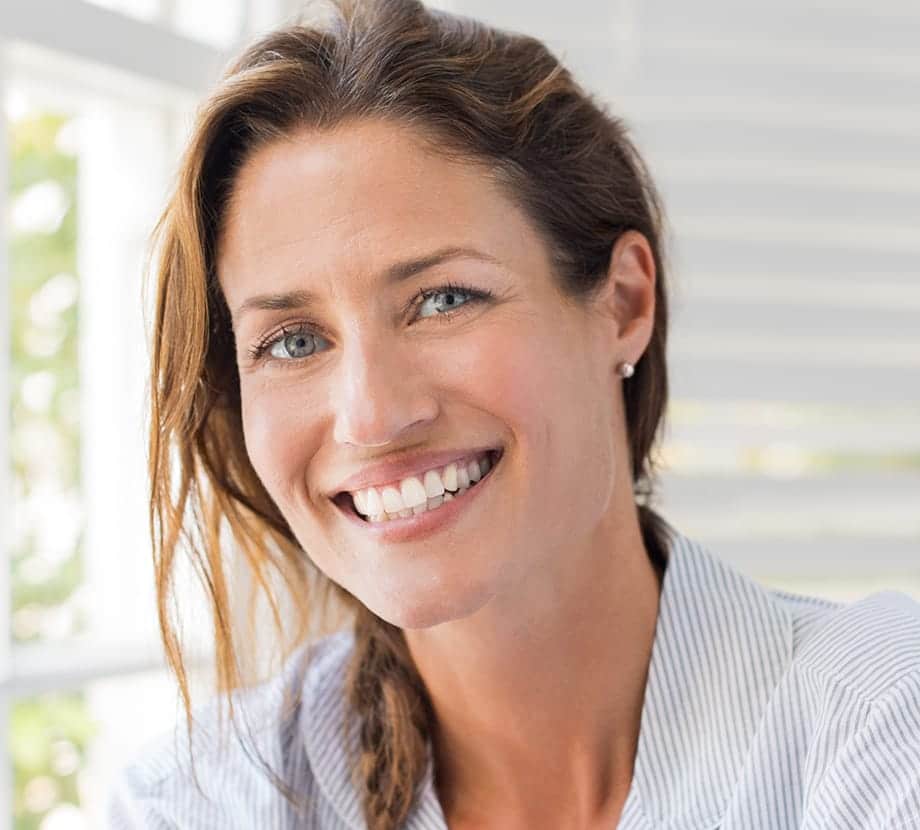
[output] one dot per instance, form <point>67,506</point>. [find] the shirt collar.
<point>721,645</point>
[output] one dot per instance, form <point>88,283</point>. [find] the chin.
<point>426,612</point>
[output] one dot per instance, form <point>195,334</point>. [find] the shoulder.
<point>857,668</point>
<point>869,646</point>
<point>224,773</point>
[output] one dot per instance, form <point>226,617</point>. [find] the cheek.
<point>276,435</point>
<point>546,387</point>
<point>530,380</point>
<point>509,372</point>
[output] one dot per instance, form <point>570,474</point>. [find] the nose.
<point>380,395</point>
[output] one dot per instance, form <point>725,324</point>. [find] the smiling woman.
<point>409,351</point>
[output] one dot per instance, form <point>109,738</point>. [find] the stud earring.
<point>626,370</point>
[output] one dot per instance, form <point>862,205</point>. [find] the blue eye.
<point>452,298</point>
<point>294,345</point>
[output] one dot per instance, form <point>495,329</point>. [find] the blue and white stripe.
<point>763,710</point>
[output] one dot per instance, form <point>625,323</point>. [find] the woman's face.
<point>365,373</point>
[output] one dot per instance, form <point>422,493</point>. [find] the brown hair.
<point>496,98</point>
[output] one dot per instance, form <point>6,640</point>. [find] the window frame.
<point>108,53</point>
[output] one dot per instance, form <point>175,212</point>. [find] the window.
<point>73,432</point>
<point>89,136</point>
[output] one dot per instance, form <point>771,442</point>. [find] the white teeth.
<point>373,502</point>
<point>431,504</point>
<point>433,484</point>
<point>416,494</point>
<point>412,492</point>
<point>392,500</point>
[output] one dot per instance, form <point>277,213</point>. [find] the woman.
<point>409,350</point>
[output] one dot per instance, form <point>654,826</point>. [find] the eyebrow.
<point>396,273</point>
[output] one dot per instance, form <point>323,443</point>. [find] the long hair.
<point>496,98</point>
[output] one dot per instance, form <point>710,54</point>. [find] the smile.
<point>433,514</point>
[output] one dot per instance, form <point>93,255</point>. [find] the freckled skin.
<point>555,545</point>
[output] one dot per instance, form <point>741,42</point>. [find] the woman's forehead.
<point>358,165</point>
<point>359,197</point>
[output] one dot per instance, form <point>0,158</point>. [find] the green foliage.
<point>45,443</point>
<point>53,590</point>
<point>49,735</point>
<point>40,729</point>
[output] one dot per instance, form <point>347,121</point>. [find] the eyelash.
<point>258,351</point>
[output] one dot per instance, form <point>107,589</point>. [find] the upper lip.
<point>402,467</point>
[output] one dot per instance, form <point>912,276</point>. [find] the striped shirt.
<point>763,710</point>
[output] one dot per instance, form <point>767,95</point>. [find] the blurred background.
<point>785,137</point>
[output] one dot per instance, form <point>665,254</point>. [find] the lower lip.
<point>427,523</point>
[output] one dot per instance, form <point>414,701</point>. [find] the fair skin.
<point>531,618</point>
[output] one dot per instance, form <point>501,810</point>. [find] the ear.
<point>628,297</point>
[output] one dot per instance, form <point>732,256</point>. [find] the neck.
<point>538,697</point>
